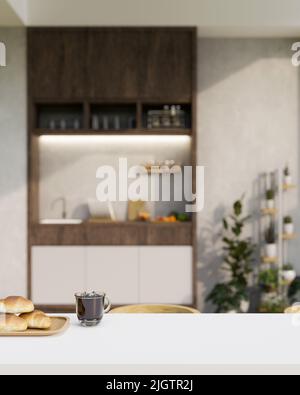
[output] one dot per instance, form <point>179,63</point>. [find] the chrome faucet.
<point>64,206</point>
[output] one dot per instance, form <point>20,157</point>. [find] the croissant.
<point>37,320</point>
<point>12,323</point>
<point>16,305</point>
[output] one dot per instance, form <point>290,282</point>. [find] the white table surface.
<point>182,340</point>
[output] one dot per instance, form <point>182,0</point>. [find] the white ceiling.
<point>266,18</point>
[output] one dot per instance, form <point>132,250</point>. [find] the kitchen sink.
<point>61,221</point>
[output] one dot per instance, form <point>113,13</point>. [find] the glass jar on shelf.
<point>154,120</point>
<point>166,117</point>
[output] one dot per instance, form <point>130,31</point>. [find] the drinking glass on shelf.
<point>52,124</point>
<point>95,122</point>
<point>63,124</point>
<point>131,123</point>
<point>105,121</point>
<point>117,123</point>
<point>76,124</point>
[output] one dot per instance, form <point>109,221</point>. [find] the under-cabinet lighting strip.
<point>81,139</point>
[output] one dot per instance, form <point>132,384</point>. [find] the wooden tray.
<point>58,326</point>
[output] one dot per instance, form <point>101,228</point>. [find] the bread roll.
<point>37,320</point>
<point>16,305</point>
<point>12,323</point>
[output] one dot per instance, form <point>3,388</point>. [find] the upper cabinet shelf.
<point>119,64</point>
<point>108,118</point>
<point>57,63</point>
<point>112,60</point>
<point>109,81</point>
<point>112,80</point>
<point>173,116</point>
<point>113,117</point>
<point>166,64</point>
<point>60,117</point>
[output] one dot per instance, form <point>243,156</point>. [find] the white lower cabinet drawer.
<point>114,270</point>
<point>129,275</point>
<point>166,275</point>
<point>57,273</point>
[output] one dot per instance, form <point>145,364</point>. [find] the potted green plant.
<point>288,225</point>
<point>269,280</point>
<point>294,291</point>
<point>288,180</point>
<point>232,296</point>
<point>271,239</point>
<point>288,274</point>
<point>270,199</point>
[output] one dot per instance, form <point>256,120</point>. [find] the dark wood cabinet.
<point>109,81</point>
<point>112,64</point>
<point>166,64</point>
<point>57,63</point>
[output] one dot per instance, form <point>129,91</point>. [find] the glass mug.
<point>91,307</point>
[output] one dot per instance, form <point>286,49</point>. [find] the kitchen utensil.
<point>102,210</point>
<point>134,210</point>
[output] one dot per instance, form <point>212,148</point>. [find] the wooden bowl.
<point>292,310</point>
<point>154,309</point>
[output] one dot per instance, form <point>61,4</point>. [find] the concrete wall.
<point>248,124</point>
<point>8,17</point>
<point>13,193</point>
<point>20,8</point>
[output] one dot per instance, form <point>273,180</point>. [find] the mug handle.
<point>108,307</point>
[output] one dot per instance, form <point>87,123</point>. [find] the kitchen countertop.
<point>160,343</point>
<point>105,234</point>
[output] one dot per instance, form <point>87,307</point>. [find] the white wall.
<point>248,124</point>
<point>13,208</point>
